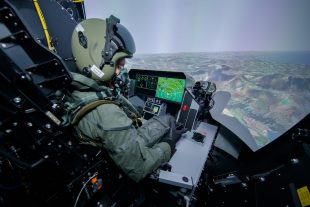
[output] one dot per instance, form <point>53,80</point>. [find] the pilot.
<point>108,120</point>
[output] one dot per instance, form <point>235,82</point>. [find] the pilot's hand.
<point>173,136</point>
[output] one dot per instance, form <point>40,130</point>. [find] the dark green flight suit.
<point>137,152</point>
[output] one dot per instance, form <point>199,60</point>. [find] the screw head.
<point>17,100</point>
<point>244,185</point>
<point>262,179</point>
<point>294,161</point>
<point>48,126</point>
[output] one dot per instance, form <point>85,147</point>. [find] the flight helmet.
<point>98,44</point>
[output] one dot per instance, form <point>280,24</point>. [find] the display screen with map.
<point>170,89</point>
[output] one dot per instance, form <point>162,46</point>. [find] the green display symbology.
<point>170,89</point>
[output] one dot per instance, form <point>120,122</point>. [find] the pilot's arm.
<point>137,152</point>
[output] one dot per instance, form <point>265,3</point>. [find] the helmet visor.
<point>126,38</point>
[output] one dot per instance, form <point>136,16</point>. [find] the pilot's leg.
<point>154,129</point>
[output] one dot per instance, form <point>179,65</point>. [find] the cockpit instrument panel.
<point>168,86</point>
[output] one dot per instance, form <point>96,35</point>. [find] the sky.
<point>171,26</point>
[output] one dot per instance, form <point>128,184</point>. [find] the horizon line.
<point>158,53</point>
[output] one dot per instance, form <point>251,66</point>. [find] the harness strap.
<point>77,109</point>
<point>89,83</point>
<point>88,107</point>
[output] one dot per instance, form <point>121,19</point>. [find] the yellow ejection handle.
<point>42,20</point>
<point>77,1</point>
